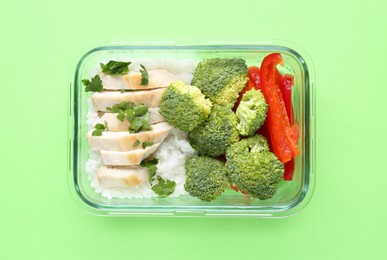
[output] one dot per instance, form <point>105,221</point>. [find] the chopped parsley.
<point>151,165</point>
<point>146,144</point>
<point>137,115</point>
<point>99,128</point>
<point>117,107</point>
<point>95,85</point>
<point>139,123</point>
<point>144,76</point>
<point>136,143</point>
<point>164,188</point>
<point>115,67</point>
<point>121,115</point>
<point>140,110</point>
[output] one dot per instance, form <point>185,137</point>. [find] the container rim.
<point>237,211</point>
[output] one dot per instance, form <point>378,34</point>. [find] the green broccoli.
<point>251,112</point>
<point>184,106</point>
<point>206,177</point>
<point>221,79</point>
<point>218,132</point>
<point>252,168</point>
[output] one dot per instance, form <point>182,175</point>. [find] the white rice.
<point>172,152</point>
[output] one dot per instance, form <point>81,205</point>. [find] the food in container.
<point>108,175</point>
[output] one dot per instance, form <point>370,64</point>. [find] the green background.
<point>40,42</point>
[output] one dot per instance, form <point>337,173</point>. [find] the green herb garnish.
<point>140,110</point>
<point>95,85</point>
<point>137,123</point>
<point>151,165</point>
<point>129,114</point>
<point>120,109</point>
<point>146,126</point>
<point>99,128</point>
<point>121,106</point>
<point>164,188</point>
<point>137,115</point>
<point>136,143</point>
<point>115,67</point>
<point>144,76</point>
<point>146,144</point>
<point>121,115</point>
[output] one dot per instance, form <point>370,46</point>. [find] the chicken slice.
<point>150,98</point>
<point>133,157</point>
<point>158,78</point>
<point>115,125</point>
<point>125,141</point>
<point>112,177</point>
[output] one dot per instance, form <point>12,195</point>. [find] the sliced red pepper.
<point>289,166</point>
<point>295,131</point>
<point>281,134</point>
<point>222,157</point>
<point>232,186</point>
<point>246,194</point>
<point>254,76</point>
<point>269,79</point>
<point>249,85</point>
<point>289,170</point>
<point>253,82</point>
<point>264,131</point>
<point>278,78</point>
<point>286,90</point>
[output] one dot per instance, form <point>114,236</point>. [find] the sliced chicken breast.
<point>112,177</point>
<point>150,98</point>
<point>115,125</point>
<point>156,79</point>
<point>125,141</point>
<point>133,157</point>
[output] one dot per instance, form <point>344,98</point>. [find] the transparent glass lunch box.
<point>291,196</point>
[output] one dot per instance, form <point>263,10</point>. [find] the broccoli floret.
<point>184,106</point>
<point>221,79</point>
<point>218,132</point>
<point>206,177</point>
<point>253,169</point>
<point>251,112</point>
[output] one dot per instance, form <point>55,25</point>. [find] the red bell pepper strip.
<point>232,186</point>
<point>254,76</point>
<point>246,194</point>
<point>278,78</point>
<point>289,166</point>
<point>286,90</point>
<point>264,131</point>
<point>289,170</point>
<point>281,134</point>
